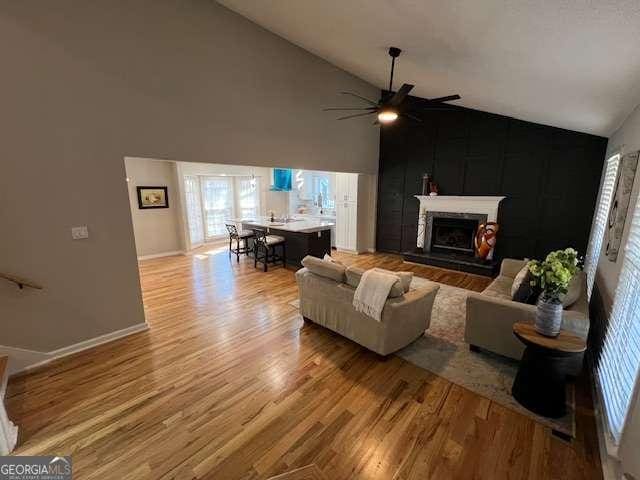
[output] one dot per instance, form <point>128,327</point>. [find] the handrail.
<point>21,282</point>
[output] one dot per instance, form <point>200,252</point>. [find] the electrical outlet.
<point>78,233</point>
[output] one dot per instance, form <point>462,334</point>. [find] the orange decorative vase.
<point>485,240</point>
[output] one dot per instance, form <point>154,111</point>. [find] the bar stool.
<point>238,235</point>
<point>267,244</point>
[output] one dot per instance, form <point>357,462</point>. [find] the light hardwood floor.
<point>229,383</point>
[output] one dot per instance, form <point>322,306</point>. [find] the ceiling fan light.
<point>387,116</point>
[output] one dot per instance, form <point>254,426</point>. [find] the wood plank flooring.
<point>229,383</point>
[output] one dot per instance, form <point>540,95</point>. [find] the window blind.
<point>217,204</point>
<point>248,197</point>
<point>194,209</point>
<point>620,361</point>
<point>600,220</point>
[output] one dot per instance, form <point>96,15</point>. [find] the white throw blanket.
<point>372,292</point>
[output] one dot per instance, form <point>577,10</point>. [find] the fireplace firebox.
<point>453,235</point>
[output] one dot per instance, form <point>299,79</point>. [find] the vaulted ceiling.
<point>568,63</point>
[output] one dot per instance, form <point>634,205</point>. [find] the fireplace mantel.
<point>487,205</point>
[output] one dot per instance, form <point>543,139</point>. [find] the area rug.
<point>442,350</point>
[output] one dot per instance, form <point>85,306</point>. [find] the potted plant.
<point>552,277</point>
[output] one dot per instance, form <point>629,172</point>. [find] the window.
<point>212,200</point>
<point>194,209</point>
<point>248,197</point>
<point>322,186</point>
<point>217,204</point>
<point>620,361</point>
<point>600,220</point>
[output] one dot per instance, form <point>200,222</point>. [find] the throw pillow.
<point>574,290</point>
<point>324,268</point>
<point>405,280</point>
<point>521,290</point>
<point>329,258</point>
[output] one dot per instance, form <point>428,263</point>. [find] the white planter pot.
<point>548,317</point>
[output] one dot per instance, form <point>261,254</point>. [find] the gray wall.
<point>156,230</point>
<point>85,84</point>
<point>626,137</point>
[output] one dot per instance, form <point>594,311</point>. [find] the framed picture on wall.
<point>152,197</point>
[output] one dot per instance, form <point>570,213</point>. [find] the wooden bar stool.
<point>239,236</point>
<point>264,248</point>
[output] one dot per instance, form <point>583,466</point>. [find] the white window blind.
<point>620,361</point>
<point>248,197</point>
<point>600,220</point>
<point>217,204</point>
<point>194,209</point>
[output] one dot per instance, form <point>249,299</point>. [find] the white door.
<point>353,226</point>
<point>346,226</point>
<point>352,187</point>
<point>217,205</point>
<point>346,187</point>
<point>342,219</point>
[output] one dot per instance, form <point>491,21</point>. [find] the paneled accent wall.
<point>550,177</point>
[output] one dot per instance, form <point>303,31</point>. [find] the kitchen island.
<point>303,236</point>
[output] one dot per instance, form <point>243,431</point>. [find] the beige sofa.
<point>329,302</point>
<point>491,314</point>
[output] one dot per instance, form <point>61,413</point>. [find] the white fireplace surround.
<point>455,204</point>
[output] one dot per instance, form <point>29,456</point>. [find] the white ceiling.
<point>569,63</point>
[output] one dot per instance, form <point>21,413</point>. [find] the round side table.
<point>540,384</point>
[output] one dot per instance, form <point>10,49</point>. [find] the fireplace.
<point>453,235</point>
<point>446,229</point>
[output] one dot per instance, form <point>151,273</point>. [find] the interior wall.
<point>549,177</point>
<point>627,138</point>
<point>156,230</point>
<point>86,84</point>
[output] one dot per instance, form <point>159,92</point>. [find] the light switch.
<point>78,233</point>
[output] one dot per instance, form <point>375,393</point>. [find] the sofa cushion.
<point>499,288</point>
<point>574,290</point>
<point>354,274</point>
<point>324,268</point>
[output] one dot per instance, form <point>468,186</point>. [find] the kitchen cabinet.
<point>351,211</point>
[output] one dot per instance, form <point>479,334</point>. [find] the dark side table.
<point>540,384</point>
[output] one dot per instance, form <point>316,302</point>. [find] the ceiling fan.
<point>391,105</point>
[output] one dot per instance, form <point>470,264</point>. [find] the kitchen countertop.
<point>296,225</point>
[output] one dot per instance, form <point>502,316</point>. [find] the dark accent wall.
<point>550,177</point>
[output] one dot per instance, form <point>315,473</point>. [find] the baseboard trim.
<point>24,361</point>
<point>172,253</point>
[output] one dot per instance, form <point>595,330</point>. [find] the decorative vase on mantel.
<point>548,316</point>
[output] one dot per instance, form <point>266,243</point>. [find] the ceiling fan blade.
<point>411,117</point>
<point>348,108</point>
<point>448,98</point>
<point>360,97</point>
<point>400,95</point>
<point>356,115</point>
